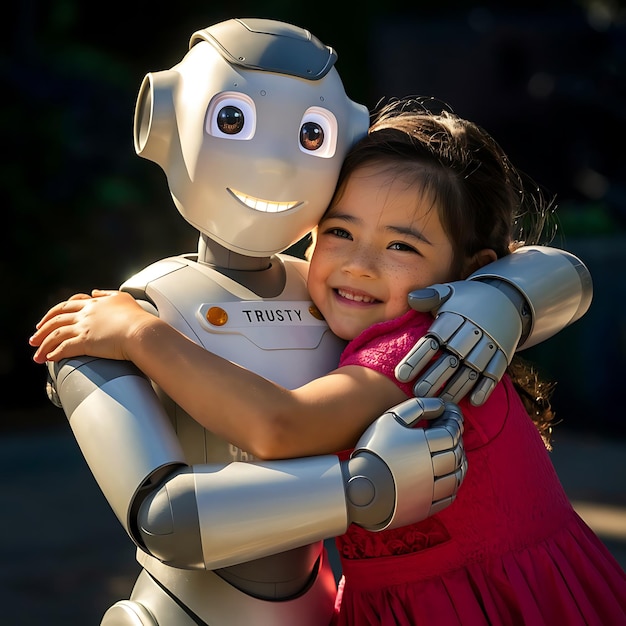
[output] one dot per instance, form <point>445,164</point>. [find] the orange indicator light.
<point>216,316</point>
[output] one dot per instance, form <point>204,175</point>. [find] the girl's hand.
<point>96,325</point>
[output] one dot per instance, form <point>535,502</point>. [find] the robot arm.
<point>121,428</point>
<point>513,303</point>
<point>397,475</point>
<point>210,516</point>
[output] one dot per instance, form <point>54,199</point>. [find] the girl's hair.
<point>482,200</point>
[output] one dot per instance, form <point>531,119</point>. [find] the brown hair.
<point>483,201</point>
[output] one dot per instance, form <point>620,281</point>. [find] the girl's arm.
<point>324,416</point>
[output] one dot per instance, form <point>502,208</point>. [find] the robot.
<point>250,129</point>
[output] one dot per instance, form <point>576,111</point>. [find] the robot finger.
<point>436,376</point>
<point>440,505</point>
<point>445,487</point>
<point>491,376</point>
<point>464,339</point>
<point>414,410</point>
<point>445,326</point>
<point>416,359</point>
<point>497,366</point>
<point>482,391</point>
<point>482,353</point>
<point>460,385</point>
<point>448,462</point>
<point>444,434</point>
<point>449,485</point>
<point>429,299</point>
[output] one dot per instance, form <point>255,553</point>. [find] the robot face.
<point>251,156</point>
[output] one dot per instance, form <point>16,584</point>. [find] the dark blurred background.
<point>547,79</point>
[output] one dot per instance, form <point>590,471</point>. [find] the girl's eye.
<point>339,232</point>
<point>403,247</point>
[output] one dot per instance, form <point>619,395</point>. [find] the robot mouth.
<point>264,206</point>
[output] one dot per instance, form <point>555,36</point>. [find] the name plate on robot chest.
<point>272,325</point>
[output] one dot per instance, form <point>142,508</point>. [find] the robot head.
<point>251,128</point>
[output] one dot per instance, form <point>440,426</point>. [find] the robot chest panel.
<point>283,340</point>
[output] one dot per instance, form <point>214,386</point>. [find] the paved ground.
<point>64,558</point>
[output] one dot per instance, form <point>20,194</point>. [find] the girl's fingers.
<point>69,306</point>
<point>46,327</point>
<point>97,293</point>
<point>52,343</point>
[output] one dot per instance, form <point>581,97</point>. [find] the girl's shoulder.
<point>383,345</point>
<point>403,330</point>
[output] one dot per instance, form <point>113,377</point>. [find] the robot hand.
<point>473,359</point>
<point>513,303</point>
<point>399,475</point>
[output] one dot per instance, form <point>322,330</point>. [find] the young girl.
<point>424,198</point>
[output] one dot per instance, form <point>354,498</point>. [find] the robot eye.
<point>311,136</point>
<point>231,115</point>
<point>318,133</point>
<point>230,120</point>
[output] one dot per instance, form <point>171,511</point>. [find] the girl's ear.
<point>478,260</point>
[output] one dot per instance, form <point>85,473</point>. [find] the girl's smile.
<point>354,297</point>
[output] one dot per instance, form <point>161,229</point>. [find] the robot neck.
<point>265,276</point>
<point>217,256</point>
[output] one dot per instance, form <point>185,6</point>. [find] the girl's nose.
<point>361,262</point>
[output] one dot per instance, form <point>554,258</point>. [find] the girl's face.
<point>381,240</point>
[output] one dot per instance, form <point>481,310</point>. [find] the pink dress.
<point>509,550</point>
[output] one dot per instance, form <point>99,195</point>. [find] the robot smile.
<point>264,206</point>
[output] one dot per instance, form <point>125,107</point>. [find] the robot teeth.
<point>265,206</point>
